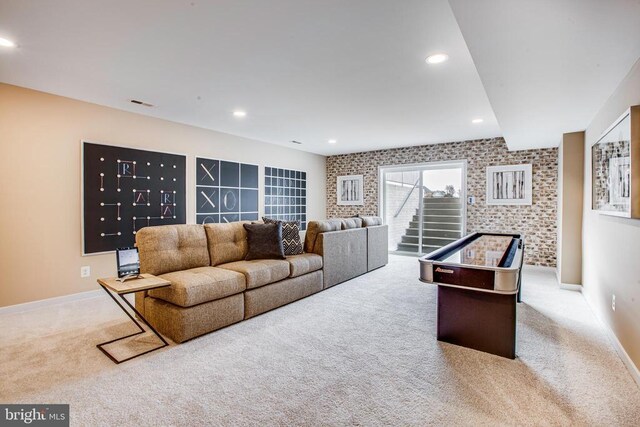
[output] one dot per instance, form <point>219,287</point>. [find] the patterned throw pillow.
<point>290,235</point>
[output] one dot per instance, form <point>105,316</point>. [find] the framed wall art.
<point>225,191</point>
<point>350,190</point>
<point>125,189</point>
<point>509,185</point>
<point>285,195</point>
<point>615,170</point>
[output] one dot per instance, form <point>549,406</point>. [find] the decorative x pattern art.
<point>225,191</point>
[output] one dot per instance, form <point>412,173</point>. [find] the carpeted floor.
<point>361,353</point>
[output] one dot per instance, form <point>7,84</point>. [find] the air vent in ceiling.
<point>146,104</point>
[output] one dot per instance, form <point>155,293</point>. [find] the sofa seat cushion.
<point>260,272</point>
<point>198,285</point>
<point>304,263</point>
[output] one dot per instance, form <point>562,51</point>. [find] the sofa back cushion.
<point>227,242</point>
<point>369,221</point>
<point>349,223</point>
<point>316,227</point>
<point>168,248</point>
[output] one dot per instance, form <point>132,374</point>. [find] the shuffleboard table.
<point>479,284</point>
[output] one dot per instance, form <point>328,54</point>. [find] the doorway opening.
<point>424,205</point>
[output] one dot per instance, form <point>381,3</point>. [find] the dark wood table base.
<point>479,320</point>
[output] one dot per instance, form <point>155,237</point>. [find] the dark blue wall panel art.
<point>225,191</point>
<point>285,195</point>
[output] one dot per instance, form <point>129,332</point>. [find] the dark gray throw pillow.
<point>264,241</point>
<point>290,235</point>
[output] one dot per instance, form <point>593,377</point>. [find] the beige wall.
<point>570,198</point>
<point>538,222</point>
<point>40,243</point>
<point>611,246</point>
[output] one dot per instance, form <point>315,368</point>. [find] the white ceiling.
<point>548,65</point>
<point>353,70</point>
<point>303,70</point>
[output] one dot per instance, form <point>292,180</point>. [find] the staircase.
<point>442,224</point>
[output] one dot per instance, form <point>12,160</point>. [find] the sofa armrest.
<point>344,254</point>
<point>377,246</point>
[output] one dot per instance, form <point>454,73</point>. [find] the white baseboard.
<point>622,353</point>
<point>539,268</point>
<point>570,287</point>
<point>33,305</point>
<point>631,367</point>
<point>567,286</point>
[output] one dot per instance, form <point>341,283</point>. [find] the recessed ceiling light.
<point>477,120</point>
<point>332,141</point>
<point>437,58</point>
<point>6,43</point>
<point>239,113</point>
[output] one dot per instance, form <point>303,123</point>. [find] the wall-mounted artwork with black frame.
<point>225,191</point>
<point>615,169</point>
<point>125,189</point>
<point>285,195</point>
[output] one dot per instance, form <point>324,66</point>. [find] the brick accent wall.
<point>537,222</point>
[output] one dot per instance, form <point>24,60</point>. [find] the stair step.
<point>436,241</point>
<point>445,203</point>
<point>429,211</point>
<point>441,224</point>
<point>455,226</point>
<point>413,247</point>
<point>434,232</point>
<point>436,218</point>
<point>437,200</point>
<point>451,219</point>
<point>440,207</point>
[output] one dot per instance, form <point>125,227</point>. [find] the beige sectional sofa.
<point>212,286</point>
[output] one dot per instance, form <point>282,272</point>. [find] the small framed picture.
<point>350,190</point>
<point>509,185</point>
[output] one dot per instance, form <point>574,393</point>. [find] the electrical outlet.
<point>613,302</point>
<point>85,271</point>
